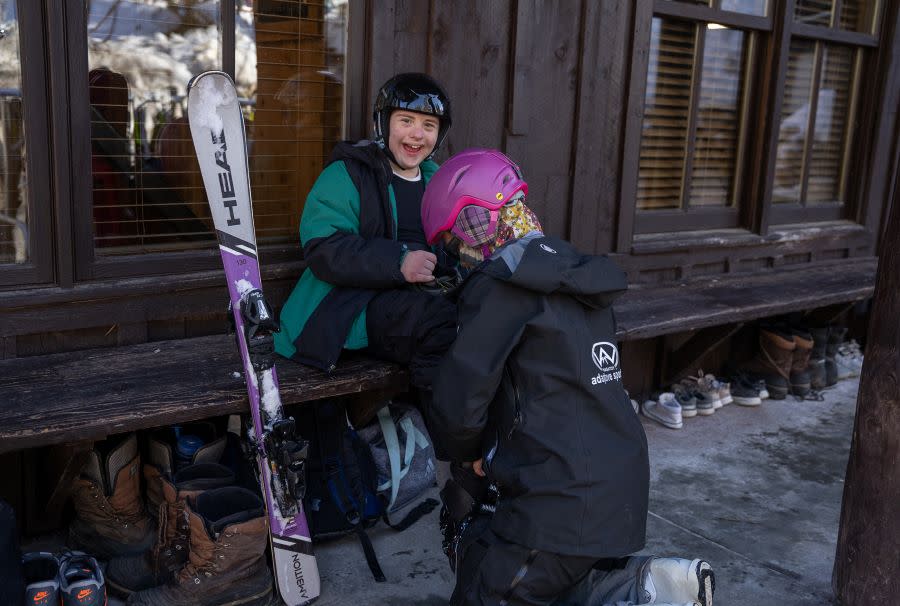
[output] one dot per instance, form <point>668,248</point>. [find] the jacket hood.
<point>550,265</point>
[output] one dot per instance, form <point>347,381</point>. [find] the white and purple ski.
<point>217,128</point>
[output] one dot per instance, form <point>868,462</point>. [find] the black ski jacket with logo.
<point>533,385</point>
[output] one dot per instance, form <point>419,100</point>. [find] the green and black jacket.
<point>348,232</point>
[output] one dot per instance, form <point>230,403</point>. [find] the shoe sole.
<point>704,411</point>
<point>727,400</point>
<point>706,579</point>
<point>777,393</point>
<point>800,389</point>
<point>747,401</point>
<point>688,413</point>
<point>661,421</point>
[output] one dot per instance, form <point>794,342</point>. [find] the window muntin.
<point>14,212</point>
<point>832,135</point>
<point>811,157</point>
<point>288,60</point>
<point>795,105</point>
<point>813,12</point>
<point>687,120</point>
<point>666,114</point>
<point>854,15</point>
<point>857,15</point>
<point>294,109</point>
<point>749,7</point>
<point>717,140</point>
<point>147,191</point>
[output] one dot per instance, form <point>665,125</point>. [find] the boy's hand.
<point>418,266</point>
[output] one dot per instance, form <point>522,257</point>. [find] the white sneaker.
<point>849,360</point>
<point>667,411</point>
<point>678,580</point>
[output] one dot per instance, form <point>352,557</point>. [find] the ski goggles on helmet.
<point>423,103</point>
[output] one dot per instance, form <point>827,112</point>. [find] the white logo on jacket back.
<point>606,357</point>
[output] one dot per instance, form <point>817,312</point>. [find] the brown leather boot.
<point>163,456</point>
<point>226,561</point>
<point>773,361</point>
<point>128,574</point>
<point>800,377</point>
<point>110,519</point>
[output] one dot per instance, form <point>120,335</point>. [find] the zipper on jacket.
<point>517,418</point>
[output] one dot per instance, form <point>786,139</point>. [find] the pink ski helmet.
<point>466,193</point>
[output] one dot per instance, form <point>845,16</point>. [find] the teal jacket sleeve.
<point>332,245</point>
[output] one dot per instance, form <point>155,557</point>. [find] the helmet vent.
<point>506,179</point>
<point>459,176</point>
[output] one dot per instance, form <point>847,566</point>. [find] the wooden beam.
<point>689,355</point>
<point>868,547</point>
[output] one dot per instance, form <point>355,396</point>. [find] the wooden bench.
<point>88,395</point>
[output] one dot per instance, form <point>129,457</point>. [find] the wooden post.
<point>868,547</point>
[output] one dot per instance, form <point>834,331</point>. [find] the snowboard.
<point>217,129</point>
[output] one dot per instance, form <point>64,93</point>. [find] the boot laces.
<point>194,572</point>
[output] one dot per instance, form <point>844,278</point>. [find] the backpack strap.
<point>414,438</point>
<point>398,470</point>
<point>392,443</point>
<point>347,493</point>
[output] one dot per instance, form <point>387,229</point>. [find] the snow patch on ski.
<point>211,98</point>
<point>269,399</point>
<point>243,287</point>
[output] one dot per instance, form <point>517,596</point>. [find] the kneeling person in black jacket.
<point>530,398</point>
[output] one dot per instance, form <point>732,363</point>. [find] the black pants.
<point>495,572</point>
<point>412,328</point>
<point>415,329</point>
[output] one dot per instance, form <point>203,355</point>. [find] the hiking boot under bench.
<point>226,562</point>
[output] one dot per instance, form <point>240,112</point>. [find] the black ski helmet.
<point>414,92</point>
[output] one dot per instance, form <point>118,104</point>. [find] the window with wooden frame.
<point>819,109</point>
<point>146,194</point>
<point>693,134</point>
<point>702,124</point>
<point>25,246</point>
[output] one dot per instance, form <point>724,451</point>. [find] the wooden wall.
<point>548,82</point>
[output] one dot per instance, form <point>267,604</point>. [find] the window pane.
<point>703,2</point>
<point>857,15</point>
<point>718,118</point>
<point>813,12</point>
<point>750,7</point>
<point>826,163</point>
<point>13,181</point>
<point>147,191</point>
<point>666,113</point>
<point>794,122</point>
<point>294,102</point>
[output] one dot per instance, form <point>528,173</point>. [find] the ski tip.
<point>213,72</point>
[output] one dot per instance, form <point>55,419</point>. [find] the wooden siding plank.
<point>542,109</point>
<point>469,50</point>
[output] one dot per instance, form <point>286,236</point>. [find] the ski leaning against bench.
<point>217,128</point>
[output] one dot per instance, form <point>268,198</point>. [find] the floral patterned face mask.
<point>513,221</point>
